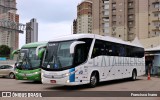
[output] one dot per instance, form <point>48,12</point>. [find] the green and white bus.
<point>28,66</point>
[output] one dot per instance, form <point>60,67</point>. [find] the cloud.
<point>50,31</point>
<point>48,10</point>
<point>54,17</point>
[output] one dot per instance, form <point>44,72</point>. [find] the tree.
<point>4,51</point>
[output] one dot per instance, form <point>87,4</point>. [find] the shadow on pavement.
<point>5,77</point>
<point>30,82</point>
<point>83,87</point>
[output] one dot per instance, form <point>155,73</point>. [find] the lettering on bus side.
<point>108,61</point>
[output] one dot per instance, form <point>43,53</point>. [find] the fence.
<point>8,62</point>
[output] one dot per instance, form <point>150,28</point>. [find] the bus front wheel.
<point>93,79</point>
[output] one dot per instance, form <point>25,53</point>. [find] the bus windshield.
<point>28,60</point>
<point>58,56</point>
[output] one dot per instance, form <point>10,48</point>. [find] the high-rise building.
<point>123,19</point>
<point>32,31</point>
<point>148,22</point>
<point>84,17</point>
<point>100,17</point>
<point>75,26</point>
<point>8,31</point>
<point>127,19</point>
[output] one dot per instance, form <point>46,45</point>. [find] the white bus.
<point>88,59</point>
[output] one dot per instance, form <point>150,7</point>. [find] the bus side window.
<point>82,51</point>
<point>122,51</point>
<point>99,49</point>
<point>108,49</point>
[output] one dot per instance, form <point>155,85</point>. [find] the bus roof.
<point>34,44</point>
<point>105,38</point>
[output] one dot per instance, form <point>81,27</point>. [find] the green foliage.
<point>4,51</point>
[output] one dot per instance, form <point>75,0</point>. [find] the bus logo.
<point>6,94</point>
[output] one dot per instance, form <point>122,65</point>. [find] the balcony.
<point>155,30</point>
<point>131,6</point>
<point>130,1</point>
<point>113,8</point>
<point>154,10</point>
<point>105,16</point>
<point>113,33</point>
<point>131,25</point>
<point>114,13</point>
<point>131,12</point>
<point>156,20</point>
<point>131,30</point>
<point>114,19</point>
<point>131,18</point>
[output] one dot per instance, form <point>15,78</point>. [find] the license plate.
<point>25,78</point>
<point>53,81</point>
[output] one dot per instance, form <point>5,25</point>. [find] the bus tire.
<point>134,75</point>
<point>94,79</point>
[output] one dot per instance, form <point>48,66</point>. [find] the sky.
<point>55,17</point>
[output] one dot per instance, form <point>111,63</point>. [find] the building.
<point>151,33</point>
<point>84,17</point>
<point>100,17</point>
<point>75,26</point>
<point>32,31</point>
<point>123,19</point>
<point>9,34</point>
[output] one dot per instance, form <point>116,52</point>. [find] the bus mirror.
<point>14,52</point>
<point>73,45</point>
<point>38,48</point>
<point>41,52</point>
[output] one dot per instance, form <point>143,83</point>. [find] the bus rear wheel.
<point>134,75</point>
<point>93,80</point>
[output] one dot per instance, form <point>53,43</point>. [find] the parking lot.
<point>141,84</point>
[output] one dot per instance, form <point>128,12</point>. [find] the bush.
<point>4,51</point>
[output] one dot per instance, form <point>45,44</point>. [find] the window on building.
<point>130,16</point>
<point>130,23</point>
<point>114,11</point>
<point>156,5</point>
<point>156,14</point>
<point>130,4</point>
<point>113,5</point>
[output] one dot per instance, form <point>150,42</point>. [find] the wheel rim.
<point>93,80</point>
<point>134,75</point>
<point>11,75</point>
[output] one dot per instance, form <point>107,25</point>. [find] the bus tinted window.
<point>115,49</point>
<point>82,51</point>
<point>99,49</point>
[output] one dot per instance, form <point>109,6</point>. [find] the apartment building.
<point>8,34</point>
<point>149,23</point>
<point>84,17</point>
<point>127,19</point>
<point>123,19</point>
<point>32,31</point>
<point>74,26</point>
<point>100,17</point>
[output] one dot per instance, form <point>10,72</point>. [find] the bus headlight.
<point>42,74</point>
<point>35,72</point>
<point>67,81</point>
<point>66,74</point>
